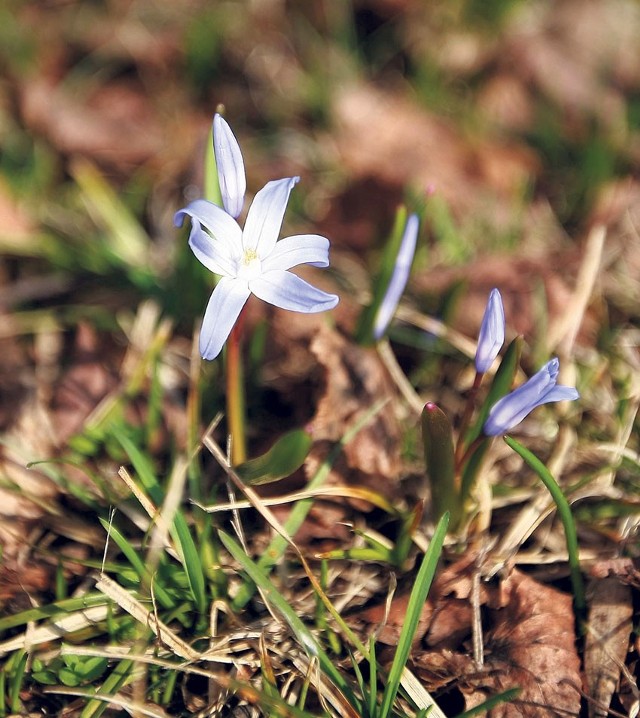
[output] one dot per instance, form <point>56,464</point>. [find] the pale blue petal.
<point>287,291</point>
<point>505,414</point>
<point>540,389</point>
<point>265,216</point>
<point>211,252</point>
<point>221,314</point>
<point>299,249</point>
<point>491,337</point>
<point>231,175</point>
<point>399,277</point>
<point>219,224</point>
<point>561,393</point>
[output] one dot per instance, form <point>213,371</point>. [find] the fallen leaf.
<point>355,380</point>
<point>529,641</point>
<point>625,569</point>
<point>607,641</point>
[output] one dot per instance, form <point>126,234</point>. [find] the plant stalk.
<point>236,394</point>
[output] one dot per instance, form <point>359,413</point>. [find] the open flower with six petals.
<point>250,260</point>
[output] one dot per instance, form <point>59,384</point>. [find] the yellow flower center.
<point>249,256</point>
<point>250,265</point>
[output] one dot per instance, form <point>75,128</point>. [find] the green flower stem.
<point>564,512</point>
<point>235,394</point>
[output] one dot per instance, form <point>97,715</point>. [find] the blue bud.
<point>399,278</point>
<point>491,337</point>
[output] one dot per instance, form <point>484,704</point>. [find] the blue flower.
<point>250,260</point>
<point>399,277</point>
<point>491,337</point>
<point>540,389</point>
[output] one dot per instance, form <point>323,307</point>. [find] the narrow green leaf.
<point>404,541</point>
<point>53,610</point>
<point>141,464</point>
<point>417,598</point>
<point>114,681</point>
<point>564,512</point>
<point>373,677</point>
<point>164,599</point>
<point>283,458</point>
<point>3,693</point>
<point>20,664</point>
<point>191,561</point>
<point>180,530</point>
<point>128,242</point>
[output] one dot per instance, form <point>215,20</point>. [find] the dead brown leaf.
<point>625,569</point>
<point>355,380</point>
<point>529,641</point>
<point>607,640</point>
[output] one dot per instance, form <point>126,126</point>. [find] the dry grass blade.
<point>57,629</point>
<point>349,492</point>
<point>140,496</point>
<point>439,329</point>
<point>399,377</point>
<point>564,330</point>
<point>133,607</point>
<point>268,515</point>
<point>251,495</point>
<point>164,518</point>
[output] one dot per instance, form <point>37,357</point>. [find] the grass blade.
<point>416,602</point>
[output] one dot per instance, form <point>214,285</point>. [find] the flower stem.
<point>235,394</point>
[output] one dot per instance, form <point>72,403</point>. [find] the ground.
<point>513,130</point>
